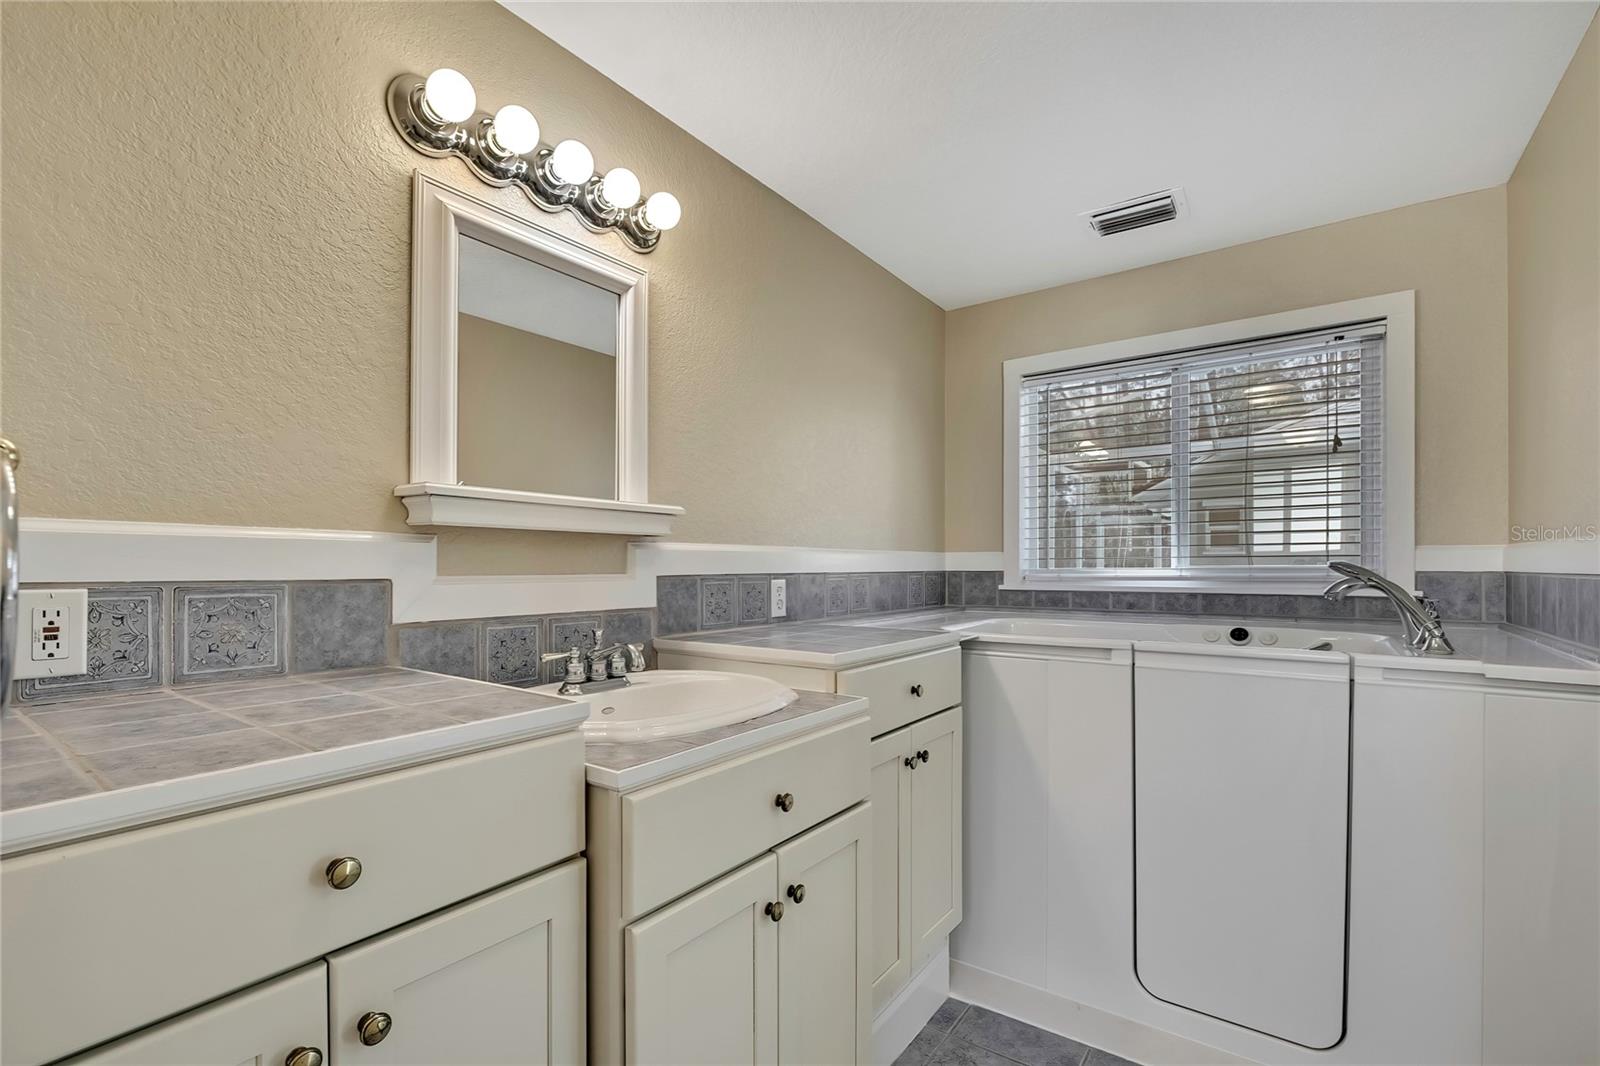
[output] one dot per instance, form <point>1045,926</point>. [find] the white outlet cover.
<point>74,621</point>
<point>780,597</point>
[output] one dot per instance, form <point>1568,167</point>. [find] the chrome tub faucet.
<point>1424,630</point>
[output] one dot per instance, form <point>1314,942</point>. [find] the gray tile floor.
<point>960,1034</point>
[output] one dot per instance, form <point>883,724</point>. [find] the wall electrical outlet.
<point>779,598</point>
<point>52,632</point>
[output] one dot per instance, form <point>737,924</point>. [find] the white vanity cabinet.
<point>497,979</point>
<point>284,1020</point>
<point>492,980</point>
<point>730,909</point>
<point>107,935</point>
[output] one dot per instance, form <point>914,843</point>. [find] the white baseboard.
<point>1087,1025</point>
<point>903,1017</point>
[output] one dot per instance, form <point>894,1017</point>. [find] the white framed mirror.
<point>529,376</point>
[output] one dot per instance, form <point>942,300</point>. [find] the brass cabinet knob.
<point>342,873</point>
<point>916,690</point>
<point>373,1027</point>
<point>775,911</point>
<point>304,1056</point>
<point>923,754</point>
<point>784,802</point>
<point>797,893</point>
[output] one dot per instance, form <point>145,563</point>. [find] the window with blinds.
<point>1250,460</point>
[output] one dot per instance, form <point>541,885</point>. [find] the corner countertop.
<point>1492,651</point>
<point>99,764</point>
<point>820,645</point>
<point>627,766</point>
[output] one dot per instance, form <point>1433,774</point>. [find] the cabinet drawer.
<point>682,833</point>
<point>106,935</point>
<point>903,690</point>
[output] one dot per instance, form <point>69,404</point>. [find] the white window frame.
<point>1397,309</point>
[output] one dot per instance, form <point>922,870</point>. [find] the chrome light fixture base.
<point>471,141</point>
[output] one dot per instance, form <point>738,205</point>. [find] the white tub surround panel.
<point>1472,870</point>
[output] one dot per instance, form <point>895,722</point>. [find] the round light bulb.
<point>620,187</point>
<point>516,129</point>
<point>662,210</point>
<point>449,95</point>
<point>572,163</point>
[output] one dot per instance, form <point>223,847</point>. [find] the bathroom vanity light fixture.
<point>438,116</point>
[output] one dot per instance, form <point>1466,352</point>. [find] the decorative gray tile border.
<point>678,604</point>
<point>124,646</point>
<point>225,632</point>
<point>860,593</point>
<point>441,647</point>
<point>838,597</point>
<point>567,633</point>
<point>753,600</point>
<point>512,650</point>
<point>717,607</point>
<point>338,624</point>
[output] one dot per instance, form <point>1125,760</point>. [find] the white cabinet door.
<point>823,978</point>
<point>935,833</point>
<point>701,981</point>
<point>267,1025</point>
<point>498,979</point>
<point>891,866</point>
<point>1541,868</point>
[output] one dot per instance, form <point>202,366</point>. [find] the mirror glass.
<point>536,377</point>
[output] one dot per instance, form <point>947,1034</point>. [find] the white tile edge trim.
<point>91,551</point>
<point>903,1017</point>
<point>102,812</point>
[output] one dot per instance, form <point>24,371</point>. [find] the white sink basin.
<point>670,703</point>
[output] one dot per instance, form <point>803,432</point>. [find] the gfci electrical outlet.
<point>780,597</point>
<point>52,632</point>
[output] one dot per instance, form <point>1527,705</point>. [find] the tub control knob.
<point>1269,639</point>
<point>1212,636</point>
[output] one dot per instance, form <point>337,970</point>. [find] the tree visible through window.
<point>1249,457</point>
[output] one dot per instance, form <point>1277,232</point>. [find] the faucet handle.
<point>635,658</point>
<point>574,659</point>
<point>1430,606</point>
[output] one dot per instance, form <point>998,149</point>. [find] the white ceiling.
<point>955,144</point>
<point>494,284</point>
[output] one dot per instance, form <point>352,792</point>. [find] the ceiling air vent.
<point>1137,213</point>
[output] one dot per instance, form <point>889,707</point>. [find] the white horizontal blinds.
<point>1258,458</point>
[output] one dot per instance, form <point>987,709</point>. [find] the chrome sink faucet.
<point>1424,630</point>
<point>600,667</point>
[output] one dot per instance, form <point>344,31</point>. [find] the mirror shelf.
<point>432,504</point>
<point>529,376</point>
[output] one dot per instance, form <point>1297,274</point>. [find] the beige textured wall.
<point>205,292</point>
<point>1451,251</point>
<point>1553,206</point>
<point>533,413</point>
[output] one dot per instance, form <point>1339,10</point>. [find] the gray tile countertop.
<point>823,645</point>
<point>98,747</point>
<point>631,765</point>
<point>1497,650</point>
